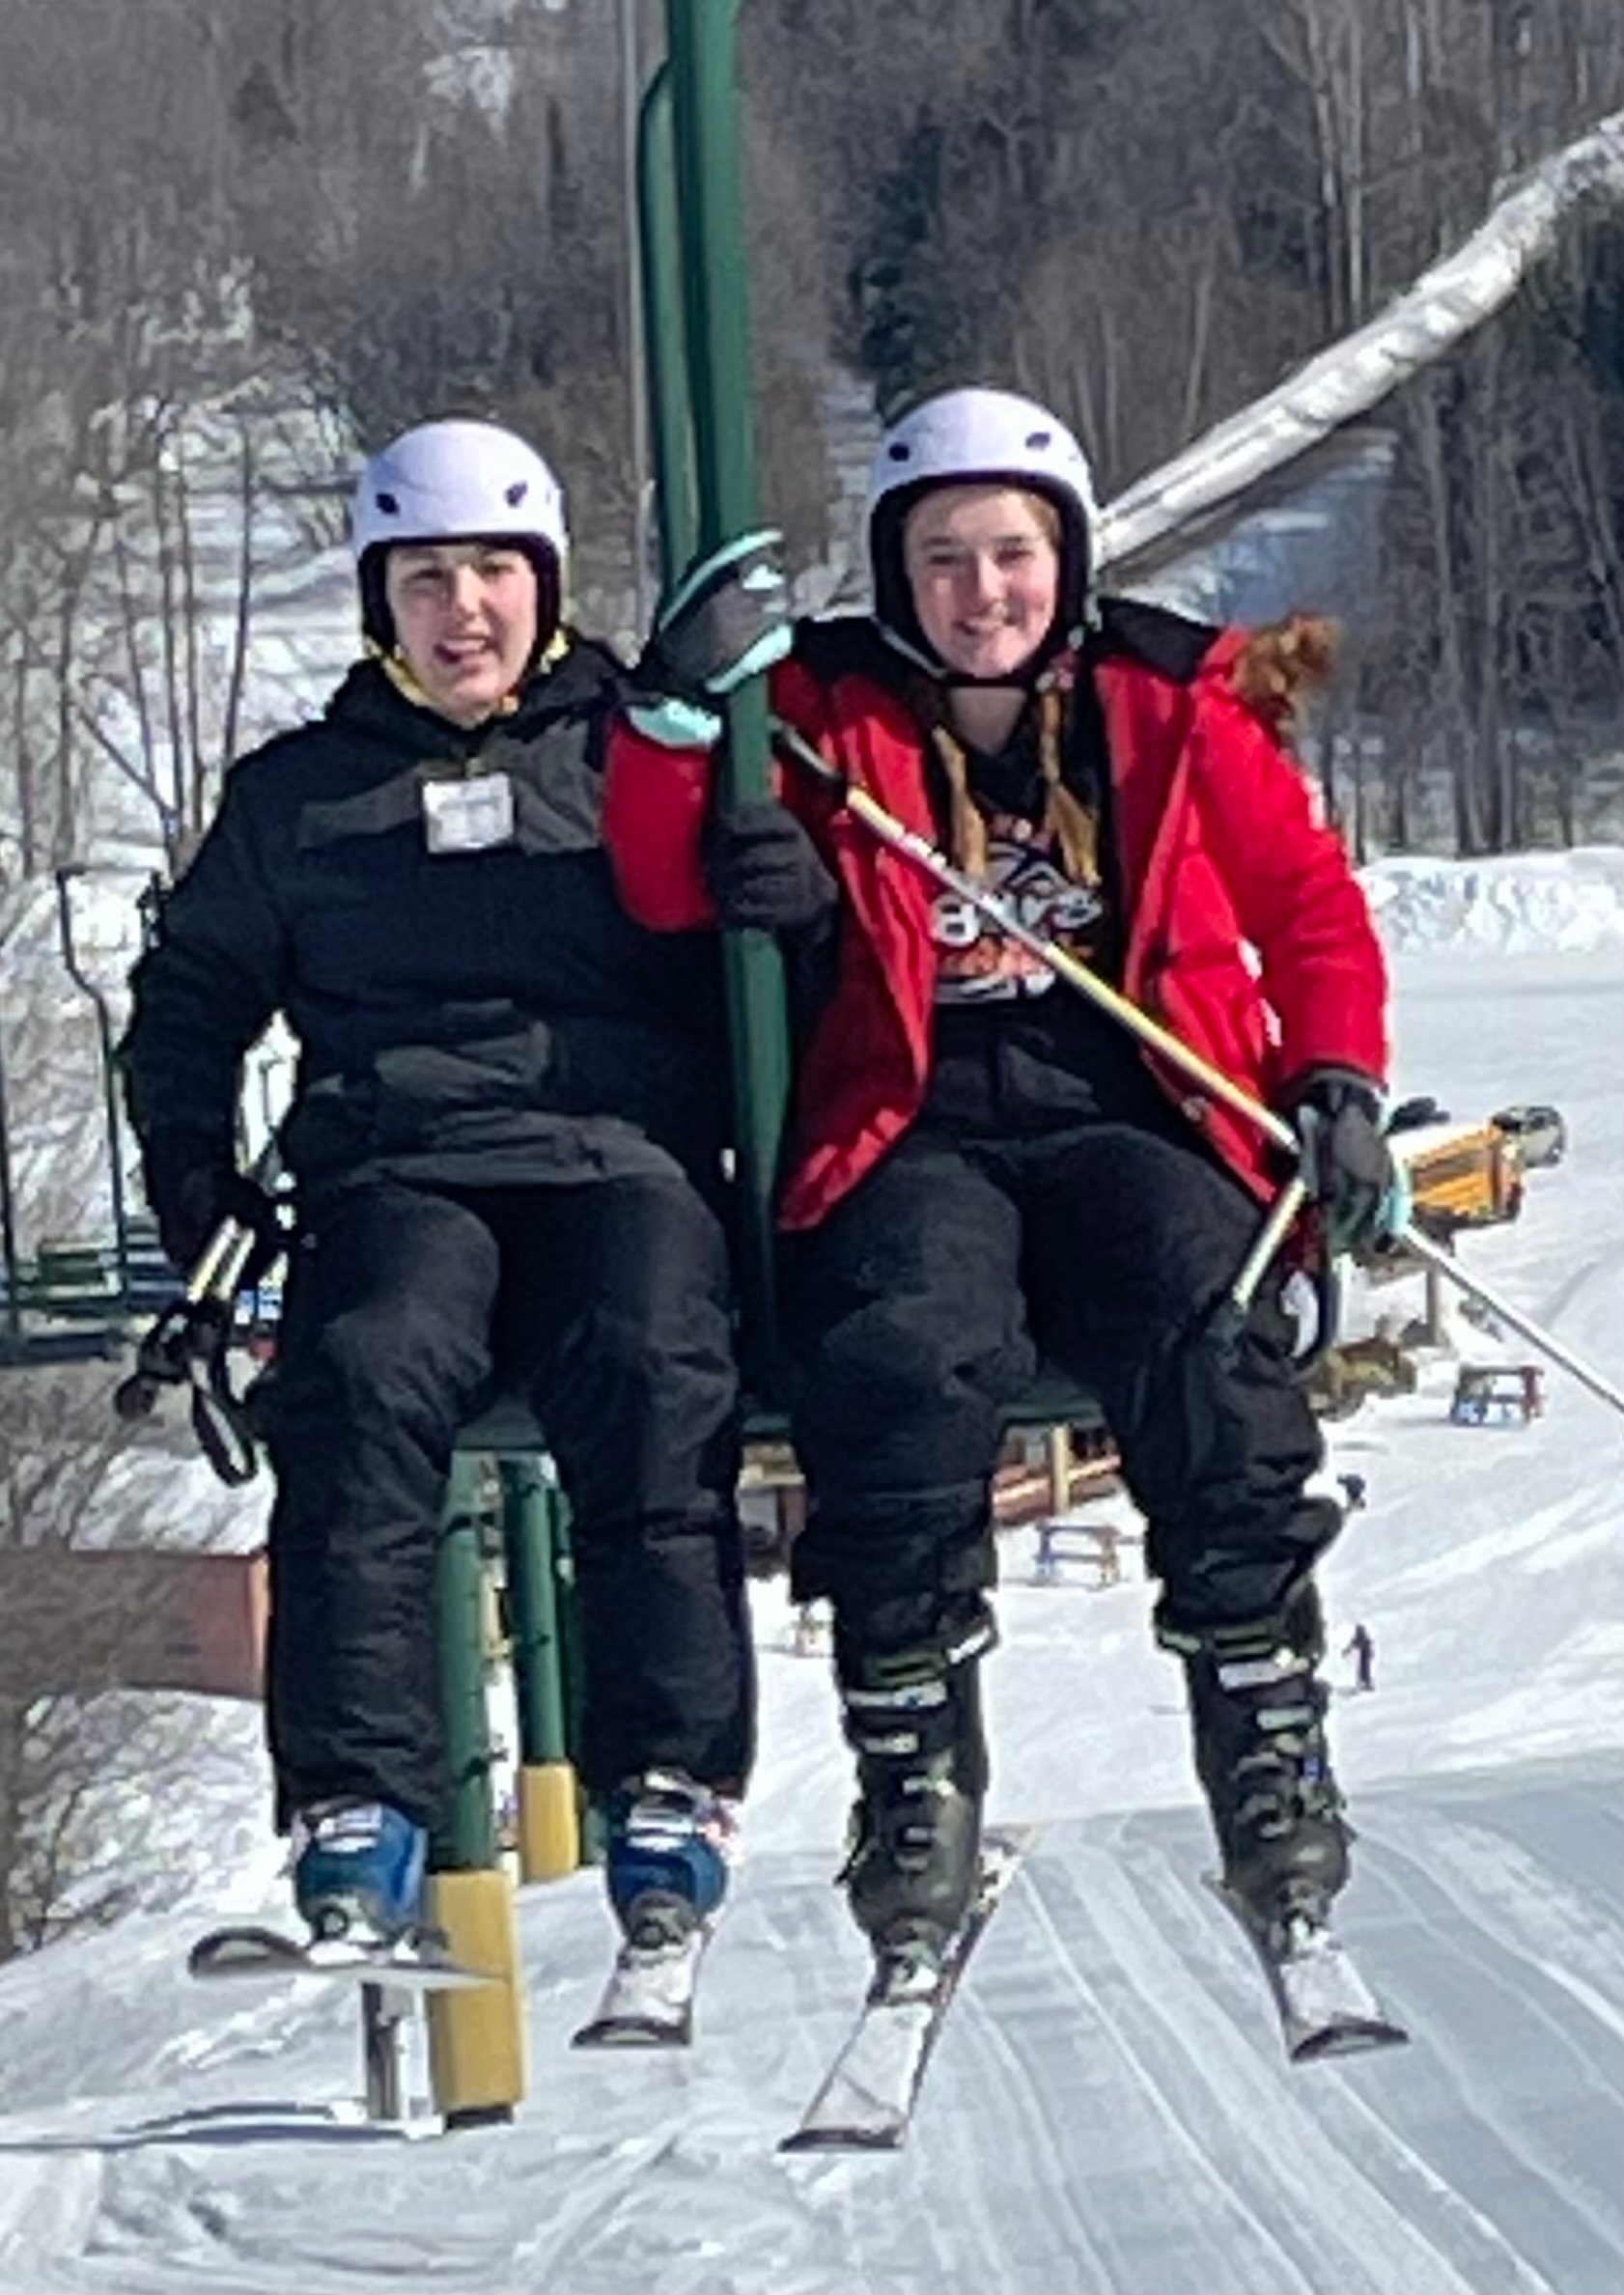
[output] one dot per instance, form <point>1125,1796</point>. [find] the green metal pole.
<point>465,1839</point>
<point>636,330</point>
<point>703,61</point>
<point>664,330</point>
<point>572,1668</point>
<point>530,1504</point>
<point>703,70</point>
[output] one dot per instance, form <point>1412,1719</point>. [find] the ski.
<point>417,1961</point>
<point>648,2001</point>
<point>866,2099</point>
<point>1325,2006</point>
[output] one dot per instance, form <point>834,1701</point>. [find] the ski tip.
<point>1356,2037</point>
<point>223,1951</point>
<point>250,1952</point>
<point>631,2032</point>
<point>1315,2028</point>
<point>808,2140</point>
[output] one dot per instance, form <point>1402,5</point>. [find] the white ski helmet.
<point>459,481</point>
<point>960,437</point>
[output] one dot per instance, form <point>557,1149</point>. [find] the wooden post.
<point>1059,1446</point>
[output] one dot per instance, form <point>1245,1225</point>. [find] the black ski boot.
<point>913,1719</point>
<point>1258,1711</point>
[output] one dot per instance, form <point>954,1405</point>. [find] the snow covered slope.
<point>1109,2112</point>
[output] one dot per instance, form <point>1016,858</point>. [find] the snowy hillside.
<point>1109,2112</point>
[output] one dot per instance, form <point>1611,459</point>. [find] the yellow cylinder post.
<point>476,2038</point>
<point>549,1829</point>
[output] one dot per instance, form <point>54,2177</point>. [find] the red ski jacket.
<point>1248,934</point>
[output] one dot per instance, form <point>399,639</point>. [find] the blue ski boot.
<point>358,1871</point>
<point>670,1843</point>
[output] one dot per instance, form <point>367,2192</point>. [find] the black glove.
<point>765,872</point>
<point>1336,1113</point>
<point>192,1185</point>
<point>727,619</point>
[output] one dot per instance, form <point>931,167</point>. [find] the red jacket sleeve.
<point>656,801</point>
<point>1294,894</point>
<point>654,804</point>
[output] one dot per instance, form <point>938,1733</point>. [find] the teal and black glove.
<point>1346,1162</point>
<point>727,620</point>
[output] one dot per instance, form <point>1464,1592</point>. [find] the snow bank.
<point>1519,902</point>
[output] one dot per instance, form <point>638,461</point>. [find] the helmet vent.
<point>900,451</point>
<point>1038,440</point>
<point>515,493</point>
<point>389,504</point>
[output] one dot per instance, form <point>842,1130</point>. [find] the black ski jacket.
<point>480,1017</point>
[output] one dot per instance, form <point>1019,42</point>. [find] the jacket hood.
<point>1273,670</point>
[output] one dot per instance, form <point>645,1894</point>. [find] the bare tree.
<point>73,1747</point>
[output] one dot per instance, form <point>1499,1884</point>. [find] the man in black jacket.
<point>506,1139</point>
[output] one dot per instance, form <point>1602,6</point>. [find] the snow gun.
<point>190,1343</point>
<point>1402,1234</point>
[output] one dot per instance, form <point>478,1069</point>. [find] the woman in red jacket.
<point>983,1169</point>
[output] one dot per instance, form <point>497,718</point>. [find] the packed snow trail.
<point>1106,2110</point>
<point>1108,2113</point>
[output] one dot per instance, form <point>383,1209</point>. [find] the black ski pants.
<point>606,1306</point>
<point>920,1309</point>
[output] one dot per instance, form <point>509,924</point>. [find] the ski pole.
<point>187,1344</point>
<point>1061,960</point>
<point>1408,1238</point>
<point>186,1347</point>
<point>1283,1213</point>
<point>1065,966</point>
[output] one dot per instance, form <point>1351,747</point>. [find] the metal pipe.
<point>528,1509</point>
<point>109,1083</point>
<point>665,330</point>
<point>701,37</point>
<point>636,369</point>
<point>464,1840</point>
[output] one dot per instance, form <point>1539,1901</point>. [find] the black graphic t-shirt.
<point>1017,1049</point>
<point>1025,874</point>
